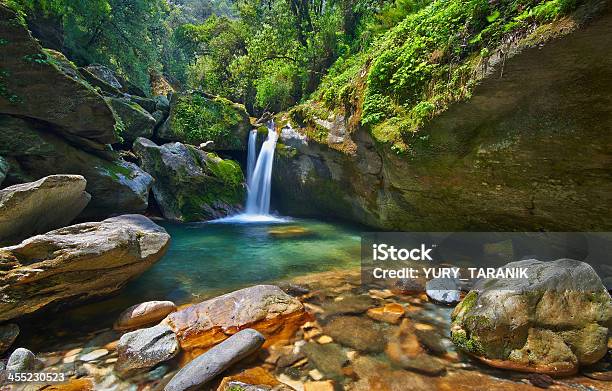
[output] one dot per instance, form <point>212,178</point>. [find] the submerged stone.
<point>358,333</point>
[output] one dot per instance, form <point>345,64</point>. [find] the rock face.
<point>8,334</point>
<point>145,348</point>
<point>210,364</point>
<point>4,167</point>
<point>70,104</point>
<point>137,122</point>
<point>553,322</point>
<point>77,262</point>
<point>497,161</point>
<point>198,117</point>
<point>191,185</point>
<point>144,314</point>
<point>265,308</point>
<point>37,207</point>
<point>116,186</point>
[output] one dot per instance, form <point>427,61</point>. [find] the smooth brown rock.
<point>144,314</point>
<point>359,333</point>
<point>265,308</point>
<point>77,262</point>
<point>252,377</point>
<point>37,207</point>
<point>390,313</point>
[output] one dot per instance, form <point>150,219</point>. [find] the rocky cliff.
<point>529,150</point>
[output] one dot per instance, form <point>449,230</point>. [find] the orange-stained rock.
<point>326,385</point>
<point>82,384</point>
<point>265,308</point>
<point>390,313</point>
<point>254,376</point>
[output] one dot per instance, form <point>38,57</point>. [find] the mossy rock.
<point>197,117</point>
<point>191,185</point>
<point>552,322</point>
<point>137,122</point>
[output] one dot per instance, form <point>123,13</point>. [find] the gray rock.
<point>77,262</point>
<point>143,349</point>
<point>105,74</point>
<point>162,104</point>
<point>148,104</point>
<point>8,334</point>
<point>137,121</point>
<point>4,167</point>
<point>443,290</point>
<point>37,207</point>
<point>34,152</point>
<point>554,321</point>
<point>191,185</point>
<point>21,360</point>
<point>207,366</point>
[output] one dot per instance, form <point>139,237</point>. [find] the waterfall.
<point>251,156</point>
<point>259,182</point>
<point>258,199</point>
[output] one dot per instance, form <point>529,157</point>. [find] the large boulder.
<point>209,365</point>
<point>552,322</point>
<point>116,186</point>
<point>77,262</point>
<point>497,161</point>
<point>137,122</point>
<point>37,207</point>
<point>198,117</point>
<point>35,85</point>
<point>191,185</point>
<point>265,308</point>
<point>143,349</point>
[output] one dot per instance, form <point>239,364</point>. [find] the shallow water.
<point>207,259</point>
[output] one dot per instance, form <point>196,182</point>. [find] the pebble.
<point>315,374</point>
<point>327,385</point>
<point>325,339</point>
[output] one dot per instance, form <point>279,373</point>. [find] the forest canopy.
<point>273,54</point>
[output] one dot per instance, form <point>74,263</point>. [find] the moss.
<point>115,171</point>
<point>197,118</point>
<point>463,342</point>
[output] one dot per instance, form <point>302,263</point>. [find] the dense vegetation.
<point>403,60</point>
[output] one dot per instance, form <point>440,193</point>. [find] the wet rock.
<point>294,289</point>
<point>265,308</point>
<point>77,262</point>
<point>252,379</point>
<point>552,323</point>
<point>359,333</point>
<point>144,314</point>
<point>443,290</point>
<point>145,348</point>
<point>540,380</point>
<point>328,358</point>
<point>8,334</point>
<point>409,285</point>
<point>375,374</point>
<point>390,313</point>
<point>52,93</point>
<point>326,385</point>
<point>21,360</point>
<point>137,122</point>
<point>350,304</point>
<point>207,366</point>
<point>32,208</point>
<point>191,185</point>
<point>431,340</point>
<point>93,355</point>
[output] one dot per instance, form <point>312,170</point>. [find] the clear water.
<point>207,259</point>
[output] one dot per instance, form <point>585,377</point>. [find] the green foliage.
<point>198,119</point>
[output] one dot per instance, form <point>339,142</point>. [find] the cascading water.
<point>259,181</point>
<point>258,200</point>
<point>251,155</point>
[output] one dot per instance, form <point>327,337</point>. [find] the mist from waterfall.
<point>259,181</point>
